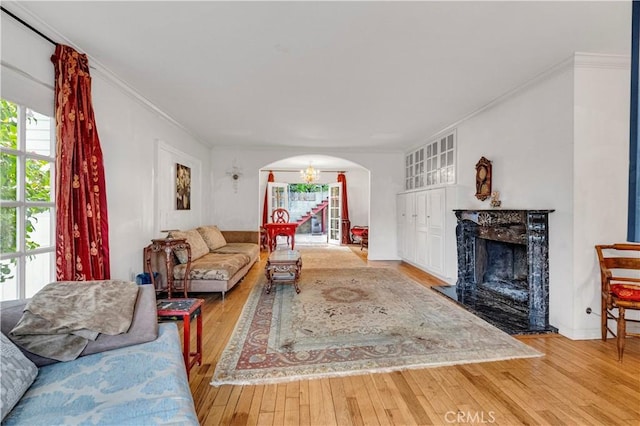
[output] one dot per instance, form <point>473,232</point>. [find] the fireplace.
<point>503,268</point>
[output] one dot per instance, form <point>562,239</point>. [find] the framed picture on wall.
<point>183,187</point>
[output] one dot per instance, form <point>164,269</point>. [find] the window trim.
<point>21,205</point>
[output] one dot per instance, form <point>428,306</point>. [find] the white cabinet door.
<point>435,229</point>
<point>421,224</point>
<point>410,241</point>
<point>401,224</point>
<point>421,233</point>
<point>406,226</point>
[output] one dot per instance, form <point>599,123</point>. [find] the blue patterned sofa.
<point>134,378</point>
<point>143,384</point>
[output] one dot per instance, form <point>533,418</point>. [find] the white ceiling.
<point>344,75</point>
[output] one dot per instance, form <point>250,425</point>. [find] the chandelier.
<point>310,175</point>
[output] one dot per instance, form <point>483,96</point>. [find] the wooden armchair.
<point>280,226</point>
<point>280,216</point>
<point>620,275</point>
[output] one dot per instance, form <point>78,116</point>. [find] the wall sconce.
<point>235,174</point>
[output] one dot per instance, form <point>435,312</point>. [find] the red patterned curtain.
<point>345,207</point>
<point>265,209</point>
<point>82,229</point>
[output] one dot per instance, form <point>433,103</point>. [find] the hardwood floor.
<point>575,383</point>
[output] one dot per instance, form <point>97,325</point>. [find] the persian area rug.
<point>337,257</point>
<point>354,321</point>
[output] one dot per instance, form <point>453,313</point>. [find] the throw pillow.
<point>198,246</point>
<point>213,237</point>
<point>17,373</point>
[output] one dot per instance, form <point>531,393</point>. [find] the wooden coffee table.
<point>283,266</point>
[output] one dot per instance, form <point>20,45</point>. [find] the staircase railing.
<point>317,209</point>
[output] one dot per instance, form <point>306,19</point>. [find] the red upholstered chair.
<point>620,275</point>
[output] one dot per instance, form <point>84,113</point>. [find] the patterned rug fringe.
<point>313,376</point>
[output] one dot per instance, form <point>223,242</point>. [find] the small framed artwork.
<point>183,187</point>
<point>483,179</point>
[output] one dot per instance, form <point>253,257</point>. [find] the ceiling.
<point>340,75</point>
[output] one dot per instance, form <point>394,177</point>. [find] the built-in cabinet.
<point>421,227</point>
<point>414,170</point>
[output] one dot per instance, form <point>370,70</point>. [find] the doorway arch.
<point>287,170</point>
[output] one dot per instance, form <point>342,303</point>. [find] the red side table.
<point>185,309</point>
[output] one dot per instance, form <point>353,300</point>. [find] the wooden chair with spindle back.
<point>620,279</point>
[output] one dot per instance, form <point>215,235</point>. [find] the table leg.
<point>167,258</point>
<point>186,321</point>
<point>147,262</point>
<point>199,338</point>
<point>298,268</point>
<point>269,273</point>
<point>293,240</point>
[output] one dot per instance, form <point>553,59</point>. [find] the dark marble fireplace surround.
<point>503,268</point>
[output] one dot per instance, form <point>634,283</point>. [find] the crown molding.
<point>96,66</point>
<point>577,60</point>
<point>598,60</point>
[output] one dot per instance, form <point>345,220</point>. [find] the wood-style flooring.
<point>575,383</point>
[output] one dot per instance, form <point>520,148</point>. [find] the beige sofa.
<point>219,259</point>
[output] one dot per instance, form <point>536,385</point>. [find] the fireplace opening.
<point>502,268</point>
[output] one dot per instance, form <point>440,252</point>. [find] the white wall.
<point>242,210</point>
<point>140,150</point>
<point>559,142</point>
<point>601,173</point>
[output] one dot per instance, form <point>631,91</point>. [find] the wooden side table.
<point>283,265</point>
<point>185,309</point>
<point>168,245</point>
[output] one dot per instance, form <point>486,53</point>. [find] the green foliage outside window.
<point>37,186</point>
<point>308,187</point>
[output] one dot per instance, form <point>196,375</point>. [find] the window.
<point>27,207</point>
<point>434,164</point>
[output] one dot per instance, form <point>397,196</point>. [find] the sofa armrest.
<point>242,236</point>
